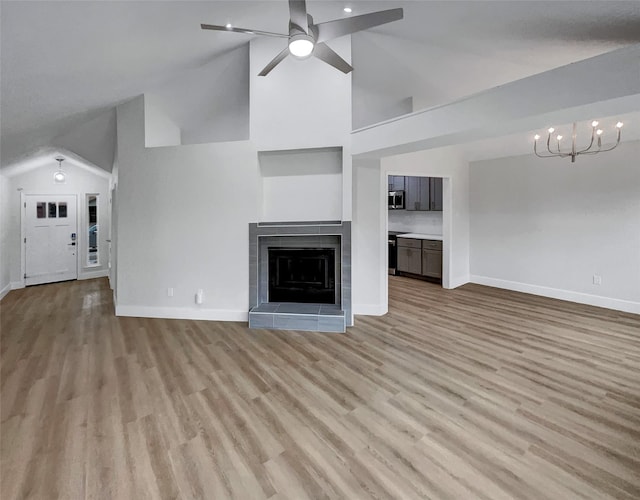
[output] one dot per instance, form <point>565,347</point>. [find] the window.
<point>41,207</point>
<point>62,209</point>
<point>52,210</point>
<point>92,230</point>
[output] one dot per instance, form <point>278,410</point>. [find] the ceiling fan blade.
<point>241,30</point>
<point>340,27</point>
<point>325,53</point>
<point>298,13</point>
<point>274,62</point>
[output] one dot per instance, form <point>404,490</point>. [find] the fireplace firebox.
<point>302,275</point>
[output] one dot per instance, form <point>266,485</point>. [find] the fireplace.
<point>303,275</point>
<point>300,276</point>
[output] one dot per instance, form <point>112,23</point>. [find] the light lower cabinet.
<point>420,257</point>
<point>409,255</point>
<point>432,263</point>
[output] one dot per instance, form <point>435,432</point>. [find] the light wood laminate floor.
<point>469,393</point>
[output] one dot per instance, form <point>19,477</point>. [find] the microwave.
<point>396,200</point>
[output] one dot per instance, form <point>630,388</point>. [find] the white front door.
<point>51,242</point>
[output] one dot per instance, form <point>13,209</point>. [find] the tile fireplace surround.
<point>291,315</point>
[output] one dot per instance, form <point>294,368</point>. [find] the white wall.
<point>209,103</point>
<point>301,185</point>
<point>93,140</point>
<point>368,256</point>
<point>415,222</point>
<point>183,222</point>
<point>546,226</point>
<point>160,130</point>
<point>80,181</point>
<point>301,103</point>
<point>5,269</point>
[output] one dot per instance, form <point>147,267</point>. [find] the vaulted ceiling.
<point>69,63</point>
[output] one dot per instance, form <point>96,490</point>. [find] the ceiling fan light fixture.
<point>301,45</point>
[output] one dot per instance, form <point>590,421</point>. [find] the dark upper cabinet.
<point>435,193</point>
<point>420,193</point>
<point>396,183</point>
<point>417,193</point>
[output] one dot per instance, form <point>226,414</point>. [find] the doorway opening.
<point>417,230</point>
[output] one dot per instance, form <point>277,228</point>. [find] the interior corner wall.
<point>547,226</point>
<point>183,223</point>
<point>159,129</point>
<point>5,269</point>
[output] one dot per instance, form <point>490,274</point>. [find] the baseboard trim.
<point>557,293</point>
<point>459,281</point>
<point>369,310</point>
<point>93,274</point>
<point>182,313</point>
<point>17,285</point>
<point>5,290</point>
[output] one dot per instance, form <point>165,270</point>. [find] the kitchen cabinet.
<point>435,194</point>
<point>417,193</point>
<point>432,259</point>
<point>420,257</point>
<point>396,183</point>
<point>409,255</point>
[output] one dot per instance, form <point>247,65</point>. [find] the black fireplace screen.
<point>306,275</point>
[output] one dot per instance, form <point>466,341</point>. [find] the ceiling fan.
<point>307,38</point>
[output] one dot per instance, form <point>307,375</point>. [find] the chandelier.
<point>595,146</point>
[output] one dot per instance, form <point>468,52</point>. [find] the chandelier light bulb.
<point>348,10</point>
<point>228,25</point>
<point>619,125</point>
<point>599,131</point>
<point>594,123</point>
<point>551,129</point>
<point>559,137</point>
<point>536,137</point>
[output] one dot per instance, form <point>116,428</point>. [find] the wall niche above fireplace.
<point>300,276</point>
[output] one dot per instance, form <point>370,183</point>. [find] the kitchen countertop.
<point>418,236</point>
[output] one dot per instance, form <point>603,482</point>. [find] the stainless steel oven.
<point>396,200</point>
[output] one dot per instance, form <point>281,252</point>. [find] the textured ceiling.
<point>64,63</point>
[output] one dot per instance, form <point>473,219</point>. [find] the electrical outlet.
<point>597,280</point>
<point>169,292</point>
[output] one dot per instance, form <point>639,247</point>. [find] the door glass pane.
<point>62,209</point>
<point>52,210</point>
<point>92,229</point>
<point>41,206</point>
